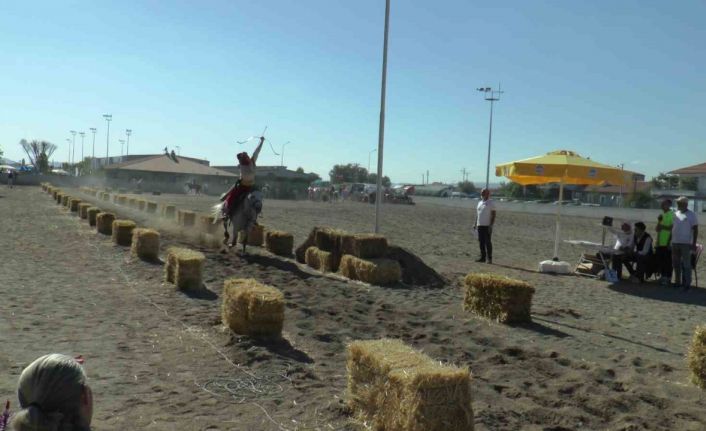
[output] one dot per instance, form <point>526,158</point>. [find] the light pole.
<point>73,146</point>
<point>370,153</point>
<point>122,144</point>
<point>93,152</point>
<point>381,131</point>
<point>281,161</point>
<point>68,144</point>
<point>83,135</point>
<point>493,97</point>
<point>108,119</point>
<point>178,150</point>
<point>128,132</point>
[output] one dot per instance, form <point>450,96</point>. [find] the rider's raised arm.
<point>257,150</point>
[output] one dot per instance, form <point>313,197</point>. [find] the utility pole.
<point>68,144</point>
<point>83,135</point>
<point>381,130</point>
<point>73,146</point>
<point>281,160</point>
<point>491,96</point>
<point>463,172</point>
<point>128,132</point>
<point>108,119</point>
<point>122,144</point>
<point>93,152</point>
<point>427,176</point>
<point>178,150</point>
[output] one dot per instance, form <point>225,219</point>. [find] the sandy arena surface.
<point>596,356</point>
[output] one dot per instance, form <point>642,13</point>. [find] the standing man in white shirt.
<point>485,219</point>
<point>685,231</point>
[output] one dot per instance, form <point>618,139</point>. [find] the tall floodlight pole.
<point>83,135</point>
<point>108,119</point>
<point>381,132</point>
<point>73,146</point>
<point>281,161</point>
<point>68,144</point>
<point>178,150</point>
<point>122,145</point>
<point>93,152</point>
<point>370,153</point>
<point>128,132</point>
<point>492,96</point>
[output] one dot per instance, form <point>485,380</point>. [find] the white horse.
<point>243,218</point>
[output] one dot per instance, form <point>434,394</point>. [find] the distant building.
<point>166,174</point>
<point>611,195</point>
<point>697,197</point>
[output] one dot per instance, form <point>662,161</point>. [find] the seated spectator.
<point>54,396</point>
<point>622,250</point>
<point>642,254</point>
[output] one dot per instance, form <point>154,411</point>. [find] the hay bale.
<point>122,200</point>
<point>319,259</point>
<point>396,388</point>
<point>151,207</point>
<point>168,211</point>
<point>122,232</point>
<point>279,243</point>
<point>206,223</point>
<point>252,308</point>
<point>364,246</point>
<point>65,199</point>
<point>141,204</point>
<point>186,218</point>
<point>145,244</point>
<point>184,268</point>
<point>328,239</point>
<point>374,271</point>
<point>83,210</point>
<point>498,298</point>
<point>105,196</point>
<point>73,204</point>
<point>104,223</point>
<point>54,193</point>
<point>132,202</point>
<point>92,213</point>
<point>696,358</point>
<point>256,236</point>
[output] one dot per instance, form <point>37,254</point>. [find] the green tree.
<point>467,187</point>
<point>300,170</point>
<point>373,179</point>
<point>511,190</point>
<point>639,199</point>
<point>350,173</point>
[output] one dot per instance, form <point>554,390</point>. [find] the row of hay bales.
<point>355,256</point>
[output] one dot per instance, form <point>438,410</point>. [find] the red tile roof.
<point>691,170</point>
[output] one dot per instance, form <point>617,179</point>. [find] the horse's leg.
<point>226,235</point>
<point>245,240</point>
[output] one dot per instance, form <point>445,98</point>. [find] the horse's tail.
<point>217,212</point>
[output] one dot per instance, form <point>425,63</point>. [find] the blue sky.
<point>621,82</point>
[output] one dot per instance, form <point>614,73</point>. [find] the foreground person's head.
<point>666,205</point>
<point>54,396</point>
<point>485,194</point>
<point>683,203</point>
<point>640,228</point>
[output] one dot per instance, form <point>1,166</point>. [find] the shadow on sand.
<point>282,347</point>
<point>654,291</point>
<point>541,329</point>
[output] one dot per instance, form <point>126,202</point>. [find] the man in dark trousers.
<point>485,218</point>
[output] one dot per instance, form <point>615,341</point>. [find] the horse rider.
<point>246,181</point>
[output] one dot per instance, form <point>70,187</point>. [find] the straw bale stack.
<point>122,200</point>
<point>319,259</point>
<point>104,223</point>
<point>396,388</point>
<point>132,202</point>
<point>184,268</point>
<point>186,218</point>
<point>498,298</point>
<point>115,199</point>
<point>252,308</point>
<point>145,244</point>
<point>92,214</point>
<point>141,204</point>
<point>168,211</point>
<point>256,236</point>
<point>83,210</point>
<point>73,204</point>
<point>206,223</point>
<point>374,271</point>
<point>105,196</point>
<point>151,207</point>
<point>364,246</point>
<point>328,239</point>
<point>65,199</point>
<point>54,193</point>
<point>300,252</point>
<point>696,357</point>
<point>279,243</point>
<point>122,232</point>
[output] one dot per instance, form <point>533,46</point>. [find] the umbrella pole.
<point>558,220</point>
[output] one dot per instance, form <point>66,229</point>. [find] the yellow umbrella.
<point>563,167</point>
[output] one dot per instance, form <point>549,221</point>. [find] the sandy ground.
<point>595,357</point>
